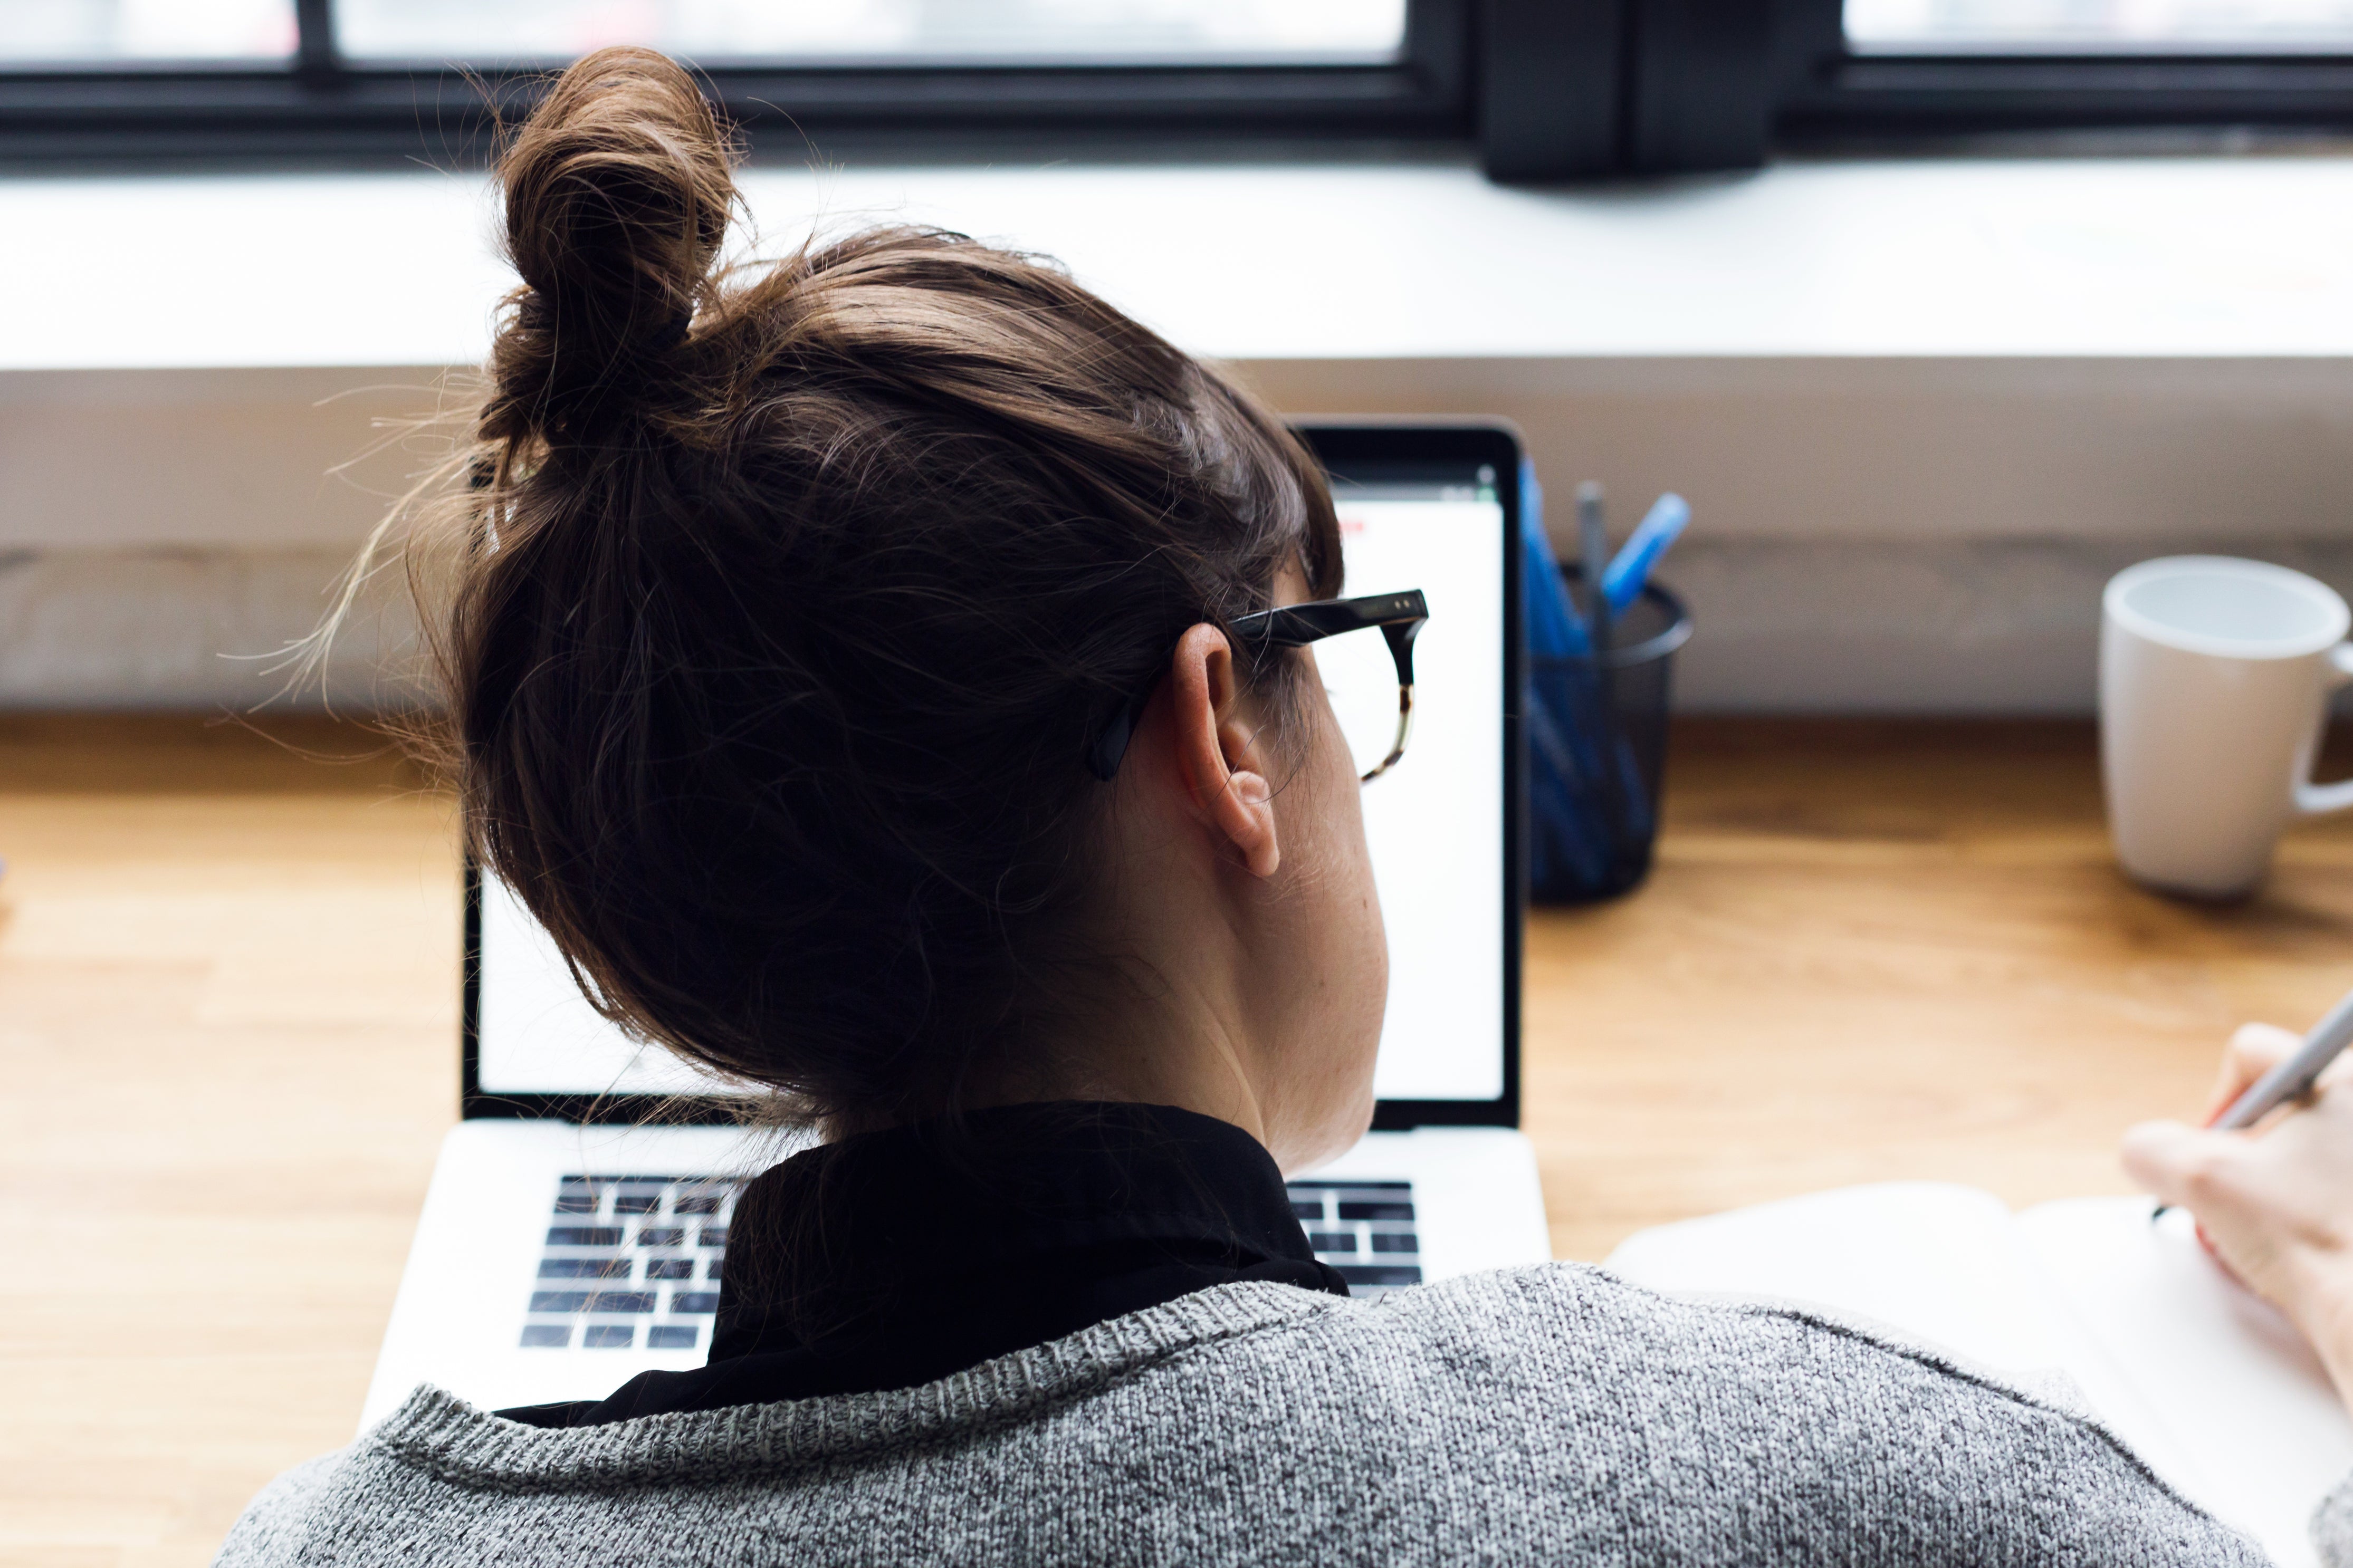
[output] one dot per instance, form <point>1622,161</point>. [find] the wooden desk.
<point>228,1015</point>
<point>1881,951</point>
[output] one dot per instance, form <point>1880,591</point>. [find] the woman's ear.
<point>1213,746</point>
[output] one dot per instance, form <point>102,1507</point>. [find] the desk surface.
<point>227,1013</point>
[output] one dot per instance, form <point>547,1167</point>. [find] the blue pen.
<point>1554,630</point>
<point>1569,843</point>
<point>1622,582</point>
<point>1594,544</point>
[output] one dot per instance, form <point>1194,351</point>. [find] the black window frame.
<point>1826,94</point>
<point>319,107</point>
<point>1543,90</point>
<point>1675,86</point>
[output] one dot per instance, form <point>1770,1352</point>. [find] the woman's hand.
<point>2275,1203</point>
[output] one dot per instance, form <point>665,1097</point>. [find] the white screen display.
<point>535,1033</point>
<point>1435,822</point>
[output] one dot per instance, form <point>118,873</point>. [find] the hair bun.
<point>618,192</point>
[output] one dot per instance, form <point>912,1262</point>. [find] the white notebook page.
<point>1935,1262</point>
<point>2230,1381</point>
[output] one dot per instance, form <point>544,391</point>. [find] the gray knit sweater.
<point>1554,1415</point>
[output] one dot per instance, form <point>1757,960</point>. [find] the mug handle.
<point>2318,799</point>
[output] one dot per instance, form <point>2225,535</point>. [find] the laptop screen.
<point>1442,521</point>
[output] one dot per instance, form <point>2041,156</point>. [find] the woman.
<point>850,662</point>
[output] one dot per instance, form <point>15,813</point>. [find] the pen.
<point>1623,578</point>
<point>1594,543</point>
<point>2293,1078</point>
<point>1555,629</point>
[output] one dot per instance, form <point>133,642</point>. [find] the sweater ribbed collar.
<point>437,1432</point>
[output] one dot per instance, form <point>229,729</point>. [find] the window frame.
<point>1703,84</point>
<point>1824,93</point>
<point>1545,90</point>
<point>319,107</point>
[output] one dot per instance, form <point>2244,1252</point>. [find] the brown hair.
<point>788,598</point>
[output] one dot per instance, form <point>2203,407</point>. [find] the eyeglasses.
<point>1369,684</point>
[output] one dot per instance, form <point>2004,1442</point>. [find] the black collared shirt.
<point>894,1258</point>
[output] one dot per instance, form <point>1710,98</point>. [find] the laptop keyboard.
<point>634,1262</point>
<point>1364,1229</point>
<point>630,1263</point>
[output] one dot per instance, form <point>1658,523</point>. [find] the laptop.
<point>568,1244</point>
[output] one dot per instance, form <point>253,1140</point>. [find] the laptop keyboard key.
<point>662,1235</point>
<point>1303,1210</point>
<point>694,1303</point>
<point>1396,1241</point>
<point>621,1301</point>
<point>637,1203</point>
<point>609,1336</point>
<point>1364,1209</point>
<point>583,1235</point>
<point>583,1269</point>
<point>670,1267</point>
<point>575,1202</point>
<point>558,1300</point>
<point>713,1236</point>
<point>697,1203</point>
<point>1379,1273</point>
<point>1332,1240</point>
<point>670,1337</point>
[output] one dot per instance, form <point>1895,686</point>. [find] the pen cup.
<point>1597,727</point>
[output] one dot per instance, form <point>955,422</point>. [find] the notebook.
<point>2085,1301</point>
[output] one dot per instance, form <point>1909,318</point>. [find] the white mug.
<point>2214,683</point>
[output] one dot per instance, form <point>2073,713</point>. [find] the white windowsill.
<point>2161,258</point>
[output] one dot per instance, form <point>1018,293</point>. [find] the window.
<point>1327,32</point>
<point>88,32</point>
<point>1897,68</point>
<point>1543,89</point>
<point>2098,26</point>
<point>398,79</point>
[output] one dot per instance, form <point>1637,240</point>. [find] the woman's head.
<point>793,597</point>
